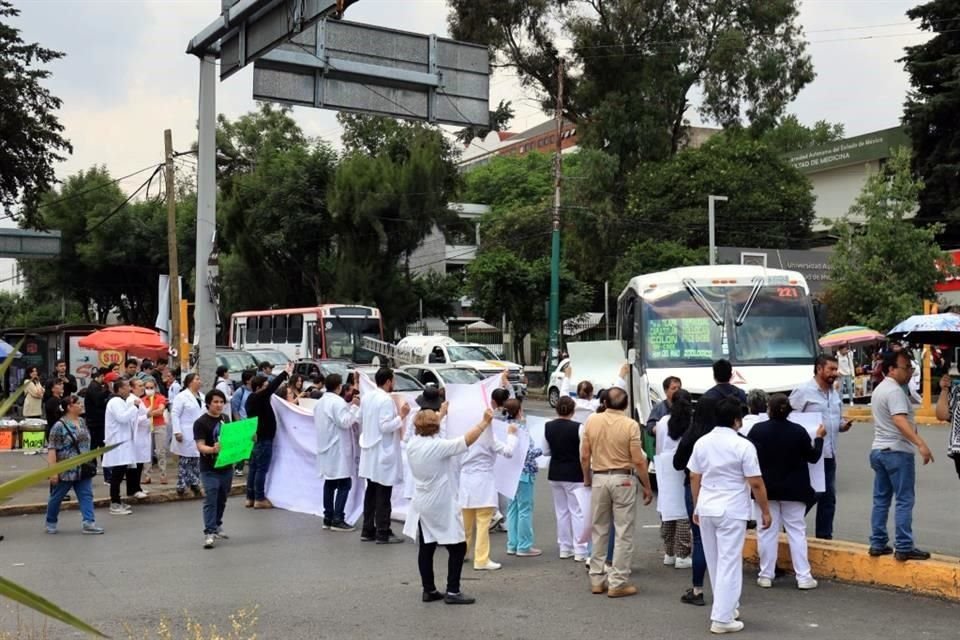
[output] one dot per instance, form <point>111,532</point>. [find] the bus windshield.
<point>343,337</point>
<point>777,330</point>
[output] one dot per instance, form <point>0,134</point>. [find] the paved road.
<point>311,584</point>
<point>936,518</point>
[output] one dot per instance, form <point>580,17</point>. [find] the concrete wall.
<point>837,189</point>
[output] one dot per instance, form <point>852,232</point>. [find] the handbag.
<point>88,469</point>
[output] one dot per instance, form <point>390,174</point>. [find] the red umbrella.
<point>138,340</point>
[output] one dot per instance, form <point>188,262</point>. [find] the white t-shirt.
<point>725,460</point>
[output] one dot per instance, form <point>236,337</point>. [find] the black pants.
<point>335,493</point>
<point>376,511</point>
<point>117,474</point>
<point>956,463</point>
<point>455,556</point>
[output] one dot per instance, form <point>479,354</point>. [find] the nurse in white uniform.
<point>142,437</point>
<point>723,470</point>
<point>120,425</point>
<point>434,517</point>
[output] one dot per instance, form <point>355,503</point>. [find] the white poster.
<point>809,421</point>
<point>599,362</point>
<point>82,362</point>
<point>508,470</point>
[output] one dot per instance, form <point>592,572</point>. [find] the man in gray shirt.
<point>895,441</point>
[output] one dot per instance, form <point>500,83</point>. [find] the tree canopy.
<point>883,270</point>
<point>930,113</point>
<point>30,131</point>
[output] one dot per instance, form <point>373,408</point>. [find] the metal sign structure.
<point>362,68</point>
<point>21,243</point>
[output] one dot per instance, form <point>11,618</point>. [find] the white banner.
<point>809,421</point>
<point>599,362</point>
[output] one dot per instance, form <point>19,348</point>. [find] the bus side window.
<point>253,329</point>
<point>279,329</point>
<point>295,329</point>
<point>266,330</point>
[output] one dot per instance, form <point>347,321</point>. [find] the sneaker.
<point>341,525</point>
<point>490,566</point>
<point>431,596</point>
<point>683,563</point>
<point>726,627</point>
<point>913,554</point>
<point>511,552</point>
<point>806,585</point>
<point>238,473</point>
<point>669,561</point>
<point>876,552</point>
<point>597,589</point>
<point>498,529</point>
<point>91,529</point>
<point>208,541</point>
<point>221,534</point>
<point>623,591</point>
<point>140,495</point>
<point>391,539</point>
<point>566,555</point>
<point>580,558</point>
<point>367,537</point>
<point>532,552</point>
<point>196,491</point>
<point>262,504</point>
<point>120,510</point>
<point>458,598</point>
<point>51,529</point>
<point>496,522</point>
<point>764,583</point>
<point>248,503</point>
<point>696,599</point>
<point>326,523</point>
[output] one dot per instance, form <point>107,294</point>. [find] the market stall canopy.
<point>134,340</point>
<point>480,325</point>
<point>852,334</point>
<point>935,328</point>
<point>6,349</point>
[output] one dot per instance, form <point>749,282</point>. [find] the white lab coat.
<point>226,389</point>
<point>409,431</point>
<point>381,433</point>
<point>433,463</point>
<point>186,409</point>
<point>478,486</point>
<point>671,499</point>
<point>142,440</point>
<point>336,443</point>
<point>120,424</point>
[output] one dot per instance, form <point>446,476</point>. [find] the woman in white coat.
<point>433,518</point>
<point>187,407</point>
<point>478,487</point>
<point>671,502</point>
<point>120,426</point>
<point>142,436</point>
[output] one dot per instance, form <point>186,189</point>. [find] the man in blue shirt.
<point>722,374</point>
<point>820,395</point>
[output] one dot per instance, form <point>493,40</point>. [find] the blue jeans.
<point>335,494</point>
<point>827,501</point>
<point>216,488</point>
<point>895,475</point>
<point>83,489</point>
<point>257,469</point>
<point>846,388</point>
<point>520,515</point>
<point>699,560</point>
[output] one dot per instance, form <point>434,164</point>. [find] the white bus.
<point>330,331</point>
<point>678,322</point>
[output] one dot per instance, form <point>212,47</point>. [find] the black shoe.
<point>695,599</point>
<point>196,491</point>
<point>751,524</point>
<point>327,522</point>
<point>432,596</point>
<point>391,539</point>
<point>364,537</point>
<point>880,551</point>
<point>458,598</point>
<point>913,554</point>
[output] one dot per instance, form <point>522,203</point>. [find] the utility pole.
<point>712,221</point>
<point>554,355</point>
<point>204,310</point>
<point>174,337</point>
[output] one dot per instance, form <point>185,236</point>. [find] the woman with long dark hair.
<point>69,438</point>
<point>674,519</point>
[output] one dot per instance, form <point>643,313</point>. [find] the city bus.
<point>678,322</point>
<point>323,332</point>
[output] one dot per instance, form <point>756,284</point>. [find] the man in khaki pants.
<point>613,460</point>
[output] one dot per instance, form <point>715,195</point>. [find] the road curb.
<point>850,562</point>
<point>104,503</point>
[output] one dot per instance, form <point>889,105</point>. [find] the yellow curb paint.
<point>850,562</point>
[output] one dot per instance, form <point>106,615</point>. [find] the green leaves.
<point>22,482</point>
<point>40,604</point>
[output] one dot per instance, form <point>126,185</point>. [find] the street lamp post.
<point>712,218</point>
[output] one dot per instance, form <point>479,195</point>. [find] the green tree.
<point>883,269</point>
<point>437,293</point>
<point>930,113</point>
<point>29,128</point>
<point>791,135</point>
<point>649,256</point>
<point>635,63</point>
<point>771,203</point>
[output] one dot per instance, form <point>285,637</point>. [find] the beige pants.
<point>613,495</point>
<point>478,520</point>
<point>160,450</point>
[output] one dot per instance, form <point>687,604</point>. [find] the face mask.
<point>150,392</point>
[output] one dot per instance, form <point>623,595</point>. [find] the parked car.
<point>402,380</point>
<point>277,358</point>
<point>308,367</point>
<point>236,363</point>
<point>556,379</point>
<point>443,374</point>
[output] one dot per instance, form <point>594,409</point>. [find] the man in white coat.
<point>381,434</point>
<point>336,421</point>
<point>724,469</point>
<point>120,426</point>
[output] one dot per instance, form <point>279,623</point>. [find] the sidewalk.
<point>34,499</point>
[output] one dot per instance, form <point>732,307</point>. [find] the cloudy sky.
<point>126,77</point>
